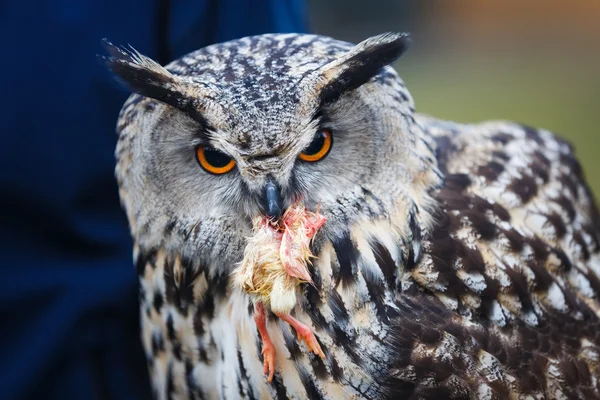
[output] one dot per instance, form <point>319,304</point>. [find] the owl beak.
<point>273,200</point>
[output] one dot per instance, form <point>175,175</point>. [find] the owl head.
<point>247,127</point>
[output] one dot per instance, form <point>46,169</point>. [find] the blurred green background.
<point>535,62</point>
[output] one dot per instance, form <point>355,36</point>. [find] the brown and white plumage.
<point>457,261</point>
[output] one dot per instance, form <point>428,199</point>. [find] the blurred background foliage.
<point>536,62</point>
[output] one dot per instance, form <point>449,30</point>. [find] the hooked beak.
<point>272,200</point>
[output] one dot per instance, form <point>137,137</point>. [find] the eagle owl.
<point>447,261</point>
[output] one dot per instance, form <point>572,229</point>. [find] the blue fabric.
<point>68,291</point>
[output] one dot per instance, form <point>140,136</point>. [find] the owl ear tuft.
<point>361,63</point>
<point>143,75</point>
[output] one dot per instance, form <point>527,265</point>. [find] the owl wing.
<point>516,253</point>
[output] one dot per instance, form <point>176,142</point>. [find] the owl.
<point>424,259</point>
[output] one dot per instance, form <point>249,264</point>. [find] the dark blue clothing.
<point>68,297</point>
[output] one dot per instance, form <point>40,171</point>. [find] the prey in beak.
<point>275,262</point>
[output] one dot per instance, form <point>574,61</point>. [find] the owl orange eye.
<point>319,147</point>
<point>213,160</point>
